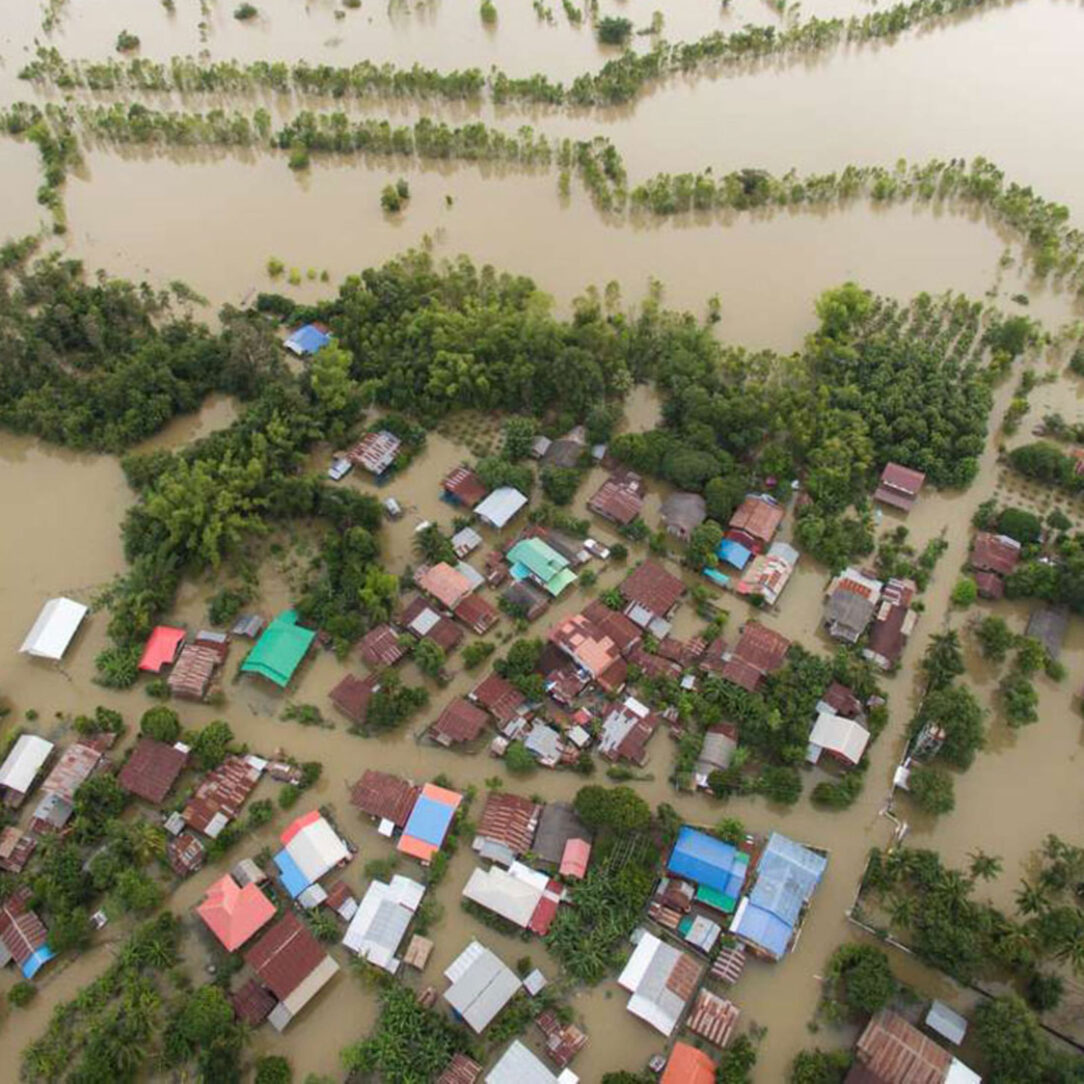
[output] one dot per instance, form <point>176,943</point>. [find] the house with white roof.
<point>21,768</point>
<point>54,628</point>
<point>843,739</point>
<point>661,979</point>
<point>481,985</point>
<point>500,506</point>
<point>381,920</point>
<point>518,1065</point>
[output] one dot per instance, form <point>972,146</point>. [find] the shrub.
<point>519,759</point>
<point>613,30</point>
<point>127,42</point>
<point>161,723</point>
<point>489,12</point>
<point>780,784</point>
<point>288,796</point>
<point>402,189</point>
<point>243,12</point>
<point>390,199</point>
<point>298,160</point>
<point>932,789</point>
<point>1044,990</point>
<point>22,993</point>
<point>965,592</point>
<point>866,983</point>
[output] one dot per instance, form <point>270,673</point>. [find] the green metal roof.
<point>279,651</point>
<point>541,560</point>
<point>559,582</point>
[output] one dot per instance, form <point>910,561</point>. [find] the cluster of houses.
<point>859,605</point>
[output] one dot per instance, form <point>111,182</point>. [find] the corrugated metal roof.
<point>653,588</point>
<point>152,769</point>
<point>517,1065</point>
<point>286,955</point>
<point>386,796</point>
<point>481,986</point>
<point>26,759</point>
<point>54,628</point>
<point>714,1018</point>
<point>500,506</point>
<point>510,819</point>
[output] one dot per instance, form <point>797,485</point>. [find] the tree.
<point>1010,1040</point>
<point>780,783</point>
<point>995,638</point>
<point>984,866</point>
<point>955,710</point>
<point>433,546</point>
<point>203,1027</point>
<point>519,759</point>
<point>613,30</point>
<point>965,592</point>
<point>560,483</point>
<point>619,808</point>
<point>211,744</point>
<point>943,660</point>
<point>160,723</point>
<point>1044,990</point>
<point>703,542</point>
<point>820,1067</point>
<point>1022,525</point>
<point>737,1062</point>
<point>865,977</point>
<point>429,658</point>
<point>1019,700</point>
<point>841,309</point>
<point>335,392</point>
<point>518,438</point>
<point>21,994</point>
<point>932,789</point>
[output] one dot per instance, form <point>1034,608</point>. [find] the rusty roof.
<point>375,451</point>
<point>21,931</point>
<point>193,670</point>
<point>624,633</point>
<point>461,1070</point>
<point>15,849</point>
<point>990,585</point>
<point>285,956</point>
<point>463,484</point>
<point>714,1018</point>
<point>186,853</point>
<point>386,796</point>
<point>762,647</point>
<point>652,587</point>
<point>222,791</point>
<point>152,769</point>
<point>619,499</point>
<point>903,479</point>
<point>380,647</point>
<point>352,695</point>
<point>758,517</point>
<point>841,700</point>
<point>71,770</point>
<point>460,721</point>
<point>252,1003</point>
<point>476,613</point>
<point>510,819</point>
<point>499,697</point>
<point>994,553</point>
<point>899,1053</point>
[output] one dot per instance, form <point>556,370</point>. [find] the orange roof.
<point>301,822</point>
<point>687,1065</point>
<point>233,914</point>
<point>575,858</point>
<point>447,585</point>
<point>161,648</point>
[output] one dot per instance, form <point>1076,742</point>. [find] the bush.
<point>780,784</point>
<point>1023,526</point>
<point>995,638</point>
<point>820,1067</point>
<point>489,12</point>
<point>22,993</point>
<point>298,160</point>
<point>1044,990</point>
<point>613,30</point>
<point>865,981</point>
<point>932,789</point>
<point>242,13</point>
<point>288,796</point>
<point>965,592</point>
<point>126,42</point>
<point>519,759</point>
<point>160,723</point>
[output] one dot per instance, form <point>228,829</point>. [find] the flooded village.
<point>599,773</point>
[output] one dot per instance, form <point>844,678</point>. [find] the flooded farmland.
<point>1003,83</point>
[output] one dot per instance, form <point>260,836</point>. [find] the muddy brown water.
<point>1003,84</point>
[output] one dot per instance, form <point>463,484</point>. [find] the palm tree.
<point>1031,899</point>
<point>983,865</point>
<point>903,910</point>
<point>1072,951</point>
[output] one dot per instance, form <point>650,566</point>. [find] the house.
<point>252,1003</point>
<point>682,513</point>
<point>380,647</point>
<point>429,821</point>
<point>418,952</point>
<point>424,622</point>
<point>23,936</point>
<point>15,849</point>
<point>310,849</point>
<point>517,1065</point>
<point>535,560</point>
<point>575,859</point>
<point>1048,626</point>
<point>626,730</point>
<point>558,825</point>
<point>520,895</point>
<point>852,602</point>
<point>235,914</point>
<point>185,853</point>
<point>769,573</point>
<point>293,966</point>
<point>713,1018</point>
<point>481,985</point>
<point>661,980</point>
<point>54,629</point>
<point>585,644</point>
<point>459,722</point>
<point>193,671</point>
<point>381,920</point>
<point>563,1041</point>
<point>477,614</point>
<point>948,1023</point>
<point>760,651</point>
<point>714,659</point>
<point>500,506</point>
<point>768,918</point>
<point>465,541</point>
<point>352,696</point>
<point>500,698</point>
<point>990,585</point>
<point>892,624</point>
<point>508,819</point>
<point>838,698</point>
<point>441,582</point>
<point>545,744</point>
<point>540,446</point>
<point>626,634</point>
<point>688,1065</point>
<point>278,652</point>
<point>718,869</point>
<point>222,793</point>
<point>716,753</point>
<point>565,452</point>
<point>463,487</point>
<point>161,648</point>
<point>996,553</point>
<point>71,771</point>
<point>375,452</point>
<point>308,340</point>
<point>892,1051</point>
<point>620,499</point>
<point>152,769</point>
<point>843,739</point>
<point>651,593</point>
<point>524,598</point>
<point>733,553</point>
<point>755,521</point>
<point>248,626</point>
<point>385,797</point>
<point>899,487</point>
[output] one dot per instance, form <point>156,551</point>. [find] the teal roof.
<point>279,651</point>
<point>540,560</point>
<point>559,582</point>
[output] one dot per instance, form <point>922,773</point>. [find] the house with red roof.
<point>221,794</point>
<point>463,487</point>
<point>235,914</point>
<point>385,797</point>
<point>23,936</point>
<point>993,557</point>
<point>620,499</point>
<point>760,651</point>
<point>445,584</point>
<point>688,1065</point>
<point>899,487</point>
<point>422,620</point>
<point>375,452</point>
<point>459,722</point>
<point>161,649</point>
<point>500,698</point>
<point>892,624</point>
<point>380,647</point>
<point>755,522</point>
<point>477,614</point>
<point>625,634</point>
<point>152,769</point>
<point>508,819</point>
<point>585,644</point>
<point>651,592</point>
<point>352,696</point>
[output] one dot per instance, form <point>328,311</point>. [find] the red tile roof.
<point>352,695</point>
<point>619,499</point>
<point>386,796</point>
<point>563,1041</point>
<point>285,956</point>
<point>463,484</point>
<point>499,697</point>
<point>713,658</point>
<point>252,1003</point>
<point>759,651</point>
<point>899,486</point>
<point>21,931</point>
<point>152,769</point>
<point>446,584</point>
<point>654,666</point>
<point>477,614</point>
<point>460,721</point>
<point>743,674</point>
<point>234,914</point>
<point>445,633</point>
<point>994,553</point>
<point>652,587</point>
<point>380,647</point>
<point>223,791</point>
<point>510,819</point>
<point>687,1065</point>
<point>588,645</point>
<point>758,518</point>
<point>612,680</point>
<point>624,633</point>
<point>898,1053</point>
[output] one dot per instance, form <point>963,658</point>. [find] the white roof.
<point>466,540</point>
<point>481,985</point>
<point>499,891</point>
<point>847,737</point>
<point>381,920</point>
<point>646,975</point>
<point>51,633</point>
<point>317,848</point>
<point>303,993</point>
<point>946,1022</point>
<point>517,1065</point>
<point>24,762</point>
<point>500,506</point>
<point>959,1073</point>
<point>471,573</point>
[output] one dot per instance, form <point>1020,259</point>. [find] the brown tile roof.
<point>624,633</point>
<point>352,695</point>
<point>460,721</point>
<point>683,652</point>
<point>842,700</point>
<point>223,790</point>
<point>337,894</point>
<point>465,486</point>
<point>444,632</point>
<point>654,666</point>
<point>713,1017</point>
<point>530,598</point>
<point>898,1053</point>
<point>994,553</point>
<point>152,769</point>
<point>477,614</point>
<point>652,587</point>
<point>499,697</point>
<point>285,956</point>
<point>758,518</point>
<point>461,1070</point>
<point>743,674</point>
<point>380,647</point>
<point>510,819</point>
<point>386,796</point>
<point>759,651</point>
<point>252,1003</point>
<point>619,499</point>
<point>21,931</point>
<point>612,680</point>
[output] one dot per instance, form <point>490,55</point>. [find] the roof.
<point>466,540</point>
<point>585,643</point>
<point>890,626</point>
<point>477,614</point>
<point>661,979</point>
<point>946,1022</point>
<point>352,695</point>
<point>234,914</point>
<point>557,825</point>
<point>311,847</point>
<point>193,670</point>
<point>705,860</point>
<point>619,499</point>
<point>841,700</point>
<point>994,553</point>
<point>482,984</point>
<point>23,934</point>
<point>899,486</point>
<point>307,340</point>
<point>1048,626</point>
<point>446,584</point>
<point>759,651</point>
<point>563,452</point>
<point>464,485</point>
<point>846,738</point>
<point>684,511</point>
<point>899,1053</point>
<point>509,819</point>
<point>425,622</point>
<point>499,697</point>
<point>162,647</point>
<point>15,849</point>
<point>221,794</point>
<point>759,517</point>
<point>429,822</point>
<point>520,593</point>
<point>761,928</point>
<point>460,721</point>
<point>990,585</point>
<point>460,1070</point>
<point>847,613</point>
<point>279,650</point>
<point>517,1065</point>
<point>688,1065</point>
<point>574,861</point>
<point>734,553</point>
<point>252,1003</point>
<point>375,452</point>
<point>786,876</point>
<point>54,628</point>
<point>381,920</point>
<point>713,1017</point>
<point>385,796</point>
<point>626,730</point>
<point>514,898</point>
<point>186,853</point>
<point>27,757</point>
<point>380,647</point>
<point>624,632</point>
<point>152,769</point>
<point>563,1041</point>
<point>500,506</point>
<point>418,952</point>
<point>652,587</point>
<point>286,955</point>
<point>716,752</point>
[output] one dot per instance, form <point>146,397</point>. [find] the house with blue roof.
<point>308,340</point>
<point>718,869</point>
<point>734,553</point>
<point>787,875</point>
<point>429,821</point>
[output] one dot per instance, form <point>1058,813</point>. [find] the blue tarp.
<point>429,821</point>
<point>293,880</point>
<point>734,553</point>
<point>721,578</point>
<point>762,928</point>
<point>787,874</point>
<point>36,962</point>
<point>308,340</point>
<point>703,859</point>
<point>519,571</point>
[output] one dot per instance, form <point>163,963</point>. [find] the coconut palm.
<point>1031,899</point>
<point>983,865</point>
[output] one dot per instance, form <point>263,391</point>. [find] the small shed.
<point>54,629</point>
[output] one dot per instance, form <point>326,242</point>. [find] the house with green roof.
<point>533,559</point>
<point>279,651</point>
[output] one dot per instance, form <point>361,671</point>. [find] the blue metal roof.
<point>787,874</point>
<point>37,961</point>
<point>703,859</point>
<point>734,553</point>
<point>721,578</point>
<point>293,880</point>
<point>429,821</point>
<point>308,339</point>
<point>762,928</point>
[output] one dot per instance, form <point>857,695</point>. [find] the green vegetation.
<point>932,789</point>
<point>127,42</point>
<point>613,30</point>
<point>244,12</point>
<point>488,12</point>
<point>820,1067</point>
<point>995,638</point>
<point>860,979</point>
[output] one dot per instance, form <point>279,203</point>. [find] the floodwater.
<point>1004,83</point>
